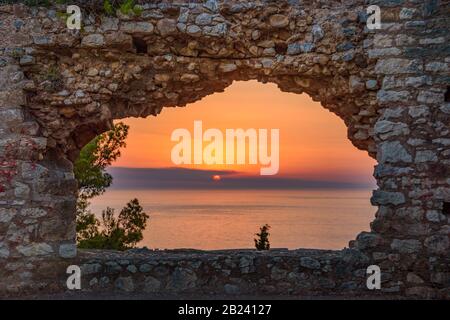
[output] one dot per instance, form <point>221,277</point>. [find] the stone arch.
<point>61,88</point>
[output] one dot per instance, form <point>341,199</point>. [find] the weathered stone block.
<point>393,96</point>
<point>109,24</point>
<point>231,289</point>
<point>393,152</point>
<point>419,111</point>
<point>4,251</point>
<point>277,273</point>
<point>317,32</point>
<point>113,267</point>
<point>445,108</point>
<point>425,156</point>
<point>166,27</point>
<point>436,67</point>
<point>386,129</point>
<point>182,279</point>
<point>90,268</point>
<point>132,268</point>
<point>297,48</point>
<point>384,52</point>
<point>203,19</point>
<point>384,198</point>
<point>430,97</point>
<point>194,30</point>
<point>125,284</point>
<point>68,250</point>
<point>413,278</point>
<point>435,216</point>
<point>279,21</point>
<point>21,190</point>
<point>406,246</point>
<point>227,67</point>
<point>33,212</point>
<point>144,268</point>
<point>93,41</point>
<point>44,40</point>
<point>398,66</point>
<point>35,249</point>
<point>372,84</point>
<point>437,244</point>
<point>409,214</point>
<point>7,214</point>
<point>151,284</point>
<point>417,81</point>
<point>367,240</point>
<point>407,13</point>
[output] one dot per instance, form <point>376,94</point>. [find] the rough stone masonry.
<point>59,88</point>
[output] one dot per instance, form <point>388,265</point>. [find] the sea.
<point>229,219</point>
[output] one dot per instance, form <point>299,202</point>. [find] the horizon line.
<point>183,178</point>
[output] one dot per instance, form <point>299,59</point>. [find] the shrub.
<point>112,233</point>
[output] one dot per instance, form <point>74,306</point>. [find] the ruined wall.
<point>60,88</point>
<point>227,272</point>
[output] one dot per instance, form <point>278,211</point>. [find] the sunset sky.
<point>313,141</point>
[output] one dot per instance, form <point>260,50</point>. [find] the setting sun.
<point>313,141</point>
<point>216,178</point>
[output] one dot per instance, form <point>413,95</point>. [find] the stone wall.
<point>59,88</point>
<point>227,272</point>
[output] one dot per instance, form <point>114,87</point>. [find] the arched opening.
<point>318,199</point>
<point>60,89</point>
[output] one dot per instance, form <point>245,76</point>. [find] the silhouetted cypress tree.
<point>262,242</point>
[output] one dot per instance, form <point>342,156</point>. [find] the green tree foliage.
<point>109,232</point>
<point>120,233</point>
<point>87,223</point>
<point>262,242</point>
<point>127,6</point>
<point>95,157</point>
<point>108,7</point>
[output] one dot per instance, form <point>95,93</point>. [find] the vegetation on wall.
<point>126,7</point>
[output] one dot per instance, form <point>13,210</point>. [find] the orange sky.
<point>313,141</point>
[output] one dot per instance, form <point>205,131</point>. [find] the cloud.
<point>184,178</point>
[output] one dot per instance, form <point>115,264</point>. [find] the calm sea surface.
<point>218,219</point>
